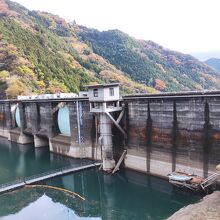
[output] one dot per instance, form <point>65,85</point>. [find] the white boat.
<point>180,178</point>
<point>187,180</point>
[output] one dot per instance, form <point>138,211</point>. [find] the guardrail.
<point>210,180</point>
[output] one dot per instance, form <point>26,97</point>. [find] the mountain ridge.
<point>41,52</point>
<point>214,63</point>
<point>151,57</point>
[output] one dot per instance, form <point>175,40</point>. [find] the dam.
<point>161,132</point>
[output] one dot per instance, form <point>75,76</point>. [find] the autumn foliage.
<point>159,84</point>
<point>42,53</point>
<point>4,10</point>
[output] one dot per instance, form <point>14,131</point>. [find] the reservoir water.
<point>18,161</point>
<point>126,195</point>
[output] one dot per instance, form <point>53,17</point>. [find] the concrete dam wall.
<point>164,132</point>
<point>173,132</point>
<point>66,126</point>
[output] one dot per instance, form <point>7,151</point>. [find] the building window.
<point>111,91</point>
<point>95,92</point>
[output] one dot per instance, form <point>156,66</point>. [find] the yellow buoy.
<point>56,188</point>
<point>218,167</point>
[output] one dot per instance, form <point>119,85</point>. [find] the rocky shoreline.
<point>207,209</point>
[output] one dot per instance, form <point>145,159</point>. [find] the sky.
<point>188,26</point>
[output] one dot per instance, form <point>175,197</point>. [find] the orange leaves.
<point>159,84</point>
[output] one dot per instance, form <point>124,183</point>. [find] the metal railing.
<point>210,180</point>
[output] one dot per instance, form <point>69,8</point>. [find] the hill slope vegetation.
<point>148,62</point>
<point>42,53</point>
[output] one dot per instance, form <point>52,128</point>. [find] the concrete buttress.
<point>106,142</point>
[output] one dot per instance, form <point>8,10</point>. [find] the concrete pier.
<point>40,141</point>
<point>106,142</point>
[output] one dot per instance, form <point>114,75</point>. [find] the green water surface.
<point>18,161</point>
<point>126,195</point>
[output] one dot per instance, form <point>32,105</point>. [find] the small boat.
<point>181,178</point>
<point>187,180</point>
<point>192,181</point>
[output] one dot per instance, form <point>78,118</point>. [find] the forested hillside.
<point>42,53</point>
<point>150,63</point>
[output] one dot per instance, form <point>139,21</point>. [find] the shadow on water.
<point>126,195</point>
<point>148,137</point>
<point>206,140</point>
